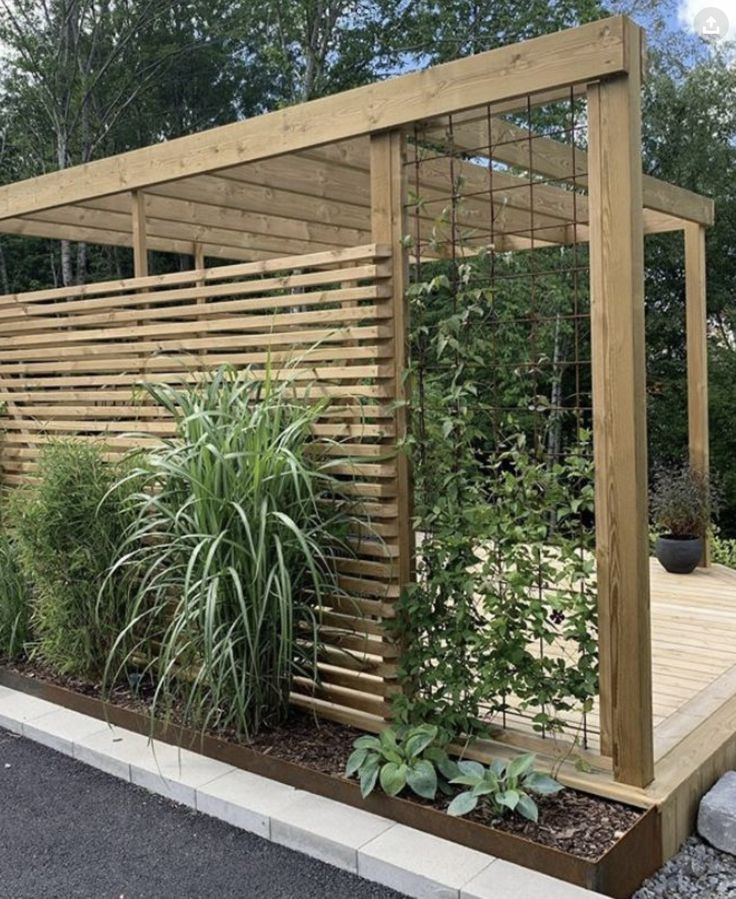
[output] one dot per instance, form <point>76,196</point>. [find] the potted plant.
<point>682,502</point>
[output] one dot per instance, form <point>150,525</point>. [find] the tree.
<point>77,68</point>
<point>690,139</point>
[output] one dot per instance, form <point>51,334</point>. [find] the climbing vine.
<point>503,611</point>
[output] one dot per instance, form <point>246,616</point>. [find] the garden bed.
<point>585,840</point>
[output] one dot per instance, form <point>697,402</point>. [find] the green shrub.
<point>15,601</point>
<point>502,787</point>
<point>396,759</point>
<point>723,550</point>
<point>67,526</point>
<point>231,549</point>
<point>683,501</point>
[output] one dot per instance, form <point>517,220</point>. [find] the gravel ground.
<point>68,831</point>
<point>698,871</point>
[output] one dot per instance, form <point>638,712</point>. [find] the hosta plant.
<point>502,787</point>
<point>412,757</point>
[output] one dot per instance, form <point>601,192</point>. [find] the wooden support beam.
<point>591,51</point>
<point>47,230</point>
<point>511,144</point>
<point>697,354</point>
<point>388,204</point>
<point>138,223</point>
<point>619,404</point>
<point>109,222</point>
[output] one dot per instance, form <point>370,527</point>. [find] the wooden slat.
<point>17,319</point>
<point>283,264</point>
<point>577,55</point>
<point>138,228</point>
<point>71,357</point>
<point>285,322</point>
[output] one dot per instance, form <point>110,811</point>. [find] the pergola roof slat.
<point>582,54</point>
<point>513,144</point>
<point>298,180</point>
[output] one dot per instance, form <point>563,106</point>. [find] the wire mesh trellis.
<point>502,404</point>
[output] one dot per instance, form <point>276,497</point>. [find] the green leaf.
<point>387,739</point>
<point>509,799</point>
<point>542,784</point>
<point>484,789</point>
<point>462,804</point>
<point>466,780</point>
<point>418,741</point>
<point>527,808</point>
<point>367,742</point>
<point>368,778</point>
<point>488,785</point>
<point>393,778</point>
<point>471,768</point>
<point>446,766</point>
<point>520,765</point>
<point>356,759</point>
<point>422,778</point>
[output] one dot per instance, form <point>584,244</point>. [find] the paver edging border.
<point>618,873</point>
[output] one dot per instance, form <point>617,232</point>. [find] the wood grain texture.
<point>71,359</point>
<point>576,55</point>
<point>697,353</point>
<point>388,205</point>
<point>140,238</point>
<point>619,416</point>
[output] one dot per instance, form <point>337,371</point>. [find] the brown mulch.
<point>574,822</point>
<point>571,821</point>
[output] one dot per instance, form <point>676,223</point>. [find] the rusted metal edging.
<point>617,873</point>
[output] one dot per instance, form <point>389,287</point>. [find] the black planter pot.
<point>679,555</point>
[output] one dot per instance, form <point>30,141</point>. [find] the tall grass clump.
<point>236,524</point>
<point>67,526</point>
<point>15,601</point>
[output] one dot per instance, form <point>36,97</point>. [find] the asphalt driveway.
<point>68,831</point>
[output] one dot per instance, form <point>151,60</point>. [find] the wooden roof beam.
<point>177,209</point>
<point>577,55</point>
<point>47,230</point>
<point>178,232</point>
<point>512,143</point>
<point>435,181</point>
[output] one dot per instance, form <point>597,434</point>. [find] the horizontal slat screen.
<point>71,358</point>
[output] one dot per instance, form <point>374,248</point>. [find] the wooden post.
<point>619,403</point>
<point>697,354</point>
<point>199,261</point>
<point>388,197</point>
<point>140,245</point>
<point>199,264</point>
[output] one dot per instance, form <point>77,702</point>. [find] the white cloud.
<point>689,11</point>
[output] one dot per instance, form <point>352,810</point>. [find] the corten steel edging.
<point>617,873</point>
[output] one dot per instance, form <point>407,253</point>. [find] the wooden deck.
<point>693,649</point>
<point>694,704</point>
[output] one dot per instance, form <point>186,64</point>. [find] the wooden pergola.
<point>312,200</point>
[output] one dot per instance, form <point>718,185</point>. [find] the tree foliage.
<point>86,78</point>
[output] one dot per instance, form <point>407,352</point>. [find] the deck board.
<point>693,655</point>
<point>693,649</point>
